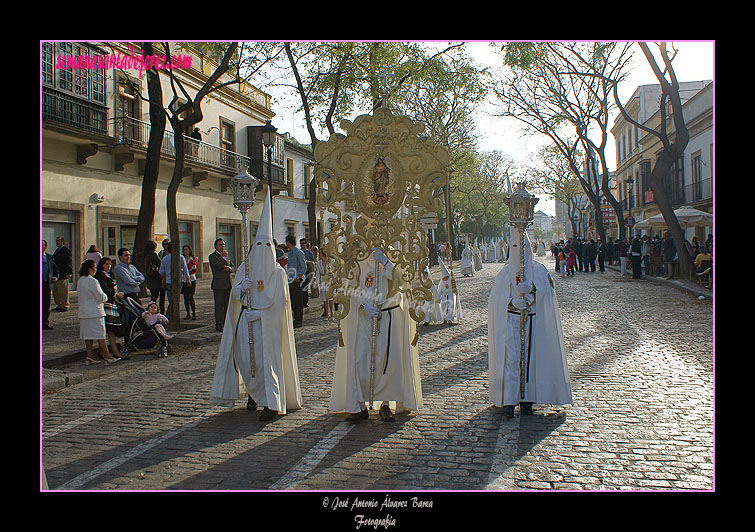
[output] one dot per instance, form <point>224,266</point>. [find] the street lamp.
<point>243,187</point>
<point>269,138</point>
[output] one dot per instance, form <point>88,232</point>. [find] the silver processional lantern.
<point>243,188</point>
<point>521,206</point>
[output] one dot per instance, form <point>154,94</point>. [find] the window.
<point>291,228</point>
<point>227,134</point>
<point>290,176</point>
<point>696,164</point>
<point>305,180</point>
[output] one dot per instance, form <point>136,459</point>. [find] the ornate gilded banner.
<point>390,174</point>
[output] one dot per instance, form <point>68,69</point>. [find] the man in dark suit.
<point>64,263</point>
<point>49,276</point>
<point>221,268</point>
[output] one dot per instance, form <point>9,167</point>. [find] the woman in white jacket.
<point>92,313</point>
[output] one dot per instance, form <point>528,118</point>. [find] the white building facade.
<point>690,181</point>
<point>94,131</point>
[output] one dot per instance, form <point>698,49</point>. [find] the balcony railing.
<point>128,130</point>
<point>72,111</point>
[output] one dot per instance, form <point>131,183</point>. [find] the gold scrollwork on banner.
<point>390,174</point>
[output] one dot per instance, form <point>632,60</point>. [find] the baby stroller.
<point>141,334</point>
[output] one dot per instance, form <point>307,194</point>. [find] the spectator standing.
<point>221,267</point>
<point>189,290</point>
<point>579,251</point>
<point>127,277</point>
<point>591,254</point>
<point>646,253</point>
<point>635,254</point>
<point>601,249</point>
<point>64,262</point>
<point>153,279</point>
<point>165,271</point>
<point>196,138</point>
<point>309,258</point>
<point>49,276</point>
<point>571,261</point>
<point>93,254</point>
<point>669,252</point>
<point>324,276</point>
<point>623,250</point>
<point>610,250</point>
<point>562,262</point>
<point>113,320</point>
<point>296,269</point>
<point>92,313</point>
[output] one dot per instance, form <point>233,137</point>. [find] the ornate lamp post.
<point>521,206</point>
<point>269,138</point>
<point>243,186</point>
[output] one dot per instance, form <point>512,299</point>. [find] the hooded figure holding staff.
<point>377,361</point>
<point>534,370</point>
<point>263,366</point>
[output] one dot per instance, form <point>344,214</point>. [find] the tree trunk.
<point>157,121</point>
<point>174,316</point>
<point>314,231</point>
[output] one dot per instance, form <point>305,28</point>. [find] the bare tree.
<point>674,143</point>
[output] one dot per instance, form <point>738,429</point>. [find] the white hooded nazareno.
<point>432,307</point>
<point>274,383</point>
<point>396,375</point>
<point>450,303</point>
<point>466,260</point>
<point>547,370</point>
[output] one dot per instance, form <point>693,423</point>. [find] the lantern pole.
<point>243,187</point>
<point>521,206</point>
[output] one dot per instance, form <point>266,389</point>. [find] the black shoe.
<point>219,329</point>
<point>508,411</point>
<point>359,416</point>
<point>267,414</point>
<point>526,408</point>
<point>46,327</point>
<point>251,404</point>
<point>385,413</point>
<point>297,324</point>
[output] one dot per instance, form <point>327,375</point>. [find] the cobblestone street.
<point>641,361</point>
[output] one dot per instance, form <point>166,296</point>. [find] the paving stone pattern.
<point>640,356</point>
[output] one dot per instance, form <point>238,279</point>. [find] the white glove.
<point>252,315</point>
<point>379,256</point>
<point>519,303</point>
<point>371,310</point>
<point>525,287</point>
<point>246,284</point>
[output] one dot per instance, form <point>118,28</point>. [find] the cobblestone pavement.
<point>640,356</point>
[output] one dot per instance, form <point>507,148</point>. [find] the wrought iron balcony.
<point>69,110</point>
<point>133,132</point>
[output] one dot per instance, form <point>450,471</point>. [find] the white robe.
<point>477,259</point>
<point>466,261</point>
<point>276,381</point>
<point>548,371</point>
<point>432,308</point>
<point>449,302</point>
<point>396,375</point>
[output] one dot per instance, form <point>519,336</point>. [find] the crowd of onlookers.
<point>104,284</point>
<point>653,256</point>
